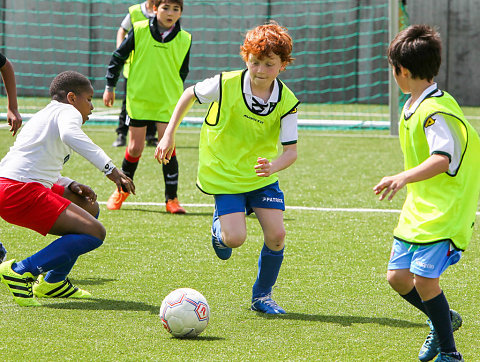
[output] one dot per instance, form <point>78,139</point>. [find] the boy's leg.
<point>401,280</point>
<point>428,263</point>
<point>270,260</point>
<point>133,152</point>
<point>438,310</point>
<point>80,233</point>
<point>170,178</point>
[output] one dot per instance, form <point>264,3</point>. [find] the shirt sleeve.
<point>289,129</point>
<point>441,140</point>
<point>119,56</point>
<point>126,23</point>
<point>208,90</point>
<point>69,126</point>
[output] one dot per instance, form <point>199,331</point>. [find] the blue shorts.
<point>268,197</point>
<point>428,261</point>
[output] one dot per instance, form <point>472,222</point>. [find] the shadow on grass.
<point>201,338</point>
<point>344,321</point>
<point>105,304</point>
<point>162,211</point>
<point>92,281</point>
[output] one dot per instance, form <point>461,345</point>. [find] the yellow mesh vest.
<point>154,83</point>
<point>442,207</point>
<point>232,137</point>
<point>136,14</point>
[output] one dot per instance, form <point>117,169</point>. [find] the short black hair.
<point>178,2</point>
<point>417,48</point>
<point>68,81</point>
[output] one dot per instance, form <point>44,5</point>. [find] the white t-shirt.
<point>45,143</point>
<point>127,21</point>
<point>208,91</point>
<point>440,137</point>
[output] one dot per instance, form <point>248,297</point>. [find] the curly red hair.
<point>267,39</point>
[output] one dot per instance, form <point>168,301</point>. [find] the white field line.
<point>305,208</point>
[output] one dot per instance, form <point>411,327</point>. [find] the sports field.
<point>332,283</point>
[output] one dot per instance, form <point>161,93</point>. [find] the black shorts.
<point>138,122</point>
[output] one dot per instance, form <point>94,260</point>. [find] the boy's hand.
<point>122,181</point>
<point>164,149</point>
<point>14,119</point>
<point>83,190</point>
<point>391,185</point>
<point>108,98</point>
<point>263,168</point>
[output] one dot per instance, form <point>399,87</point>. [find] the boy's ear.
<point>71,97</point>
<point>404,72</point>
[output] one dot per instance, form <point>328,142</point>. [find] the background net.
<point>339,45</point>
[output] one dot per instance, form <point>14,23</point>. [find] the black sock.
<point>438,311</point>
<point>170,176</point>
<point>128,169</point>
<point>414,299</point>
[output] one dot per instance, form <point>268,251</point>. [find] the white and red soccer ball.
<point>185,313</point>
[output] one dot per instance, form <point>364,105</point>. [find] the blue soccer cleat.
<point>431,346</point>
<point>266,305</point>
<point>222,251</point>
<point>3,253</point>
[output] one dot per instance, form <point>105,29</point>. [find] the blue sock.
<point>60,273</point>
<point>65,249</point>
<point>216,229</point>
<point>438,311</point>
<point>269,264</point>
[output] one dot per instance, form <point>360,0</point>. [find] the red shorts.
<point>31,205</point>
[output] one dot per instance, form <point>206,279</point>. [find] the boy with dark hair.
<point>158,68</point>
<point>137,12</point>
<point>442,175</point>
<point>13,117</point>
<point>250,110</point>
<point>34,195</point>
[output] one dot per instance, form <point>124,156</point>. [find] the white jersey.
<point>45,143</point>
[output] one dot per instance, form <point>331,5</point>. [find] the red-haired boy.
<point>250,110</point>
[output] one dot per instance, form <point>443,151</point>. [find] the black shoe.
<point>151,141</point>
<point>120,141</point>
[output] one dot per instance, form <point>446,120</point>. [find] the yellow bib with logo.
<point>233,137</point>
<point>442,207</point>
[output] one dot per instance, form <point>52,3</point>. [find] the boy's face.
<point>167,14</point>
<point>82,102</point>
<point>264,70</point>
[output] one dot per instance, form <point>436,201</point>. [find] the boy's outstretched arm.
<point>13,117</point>
<point>165,147</point>
<point>122,181</point>
<point>265,168</point>
<point>432,166</point>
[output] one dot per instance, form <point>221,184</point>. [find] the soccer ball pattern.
<point>185,313</point>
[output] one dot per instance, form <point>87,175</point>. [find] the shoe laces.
<point>267,299</point>
<point>29,284</point>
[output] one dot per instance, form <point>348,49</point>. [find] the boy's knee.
<point>234,240</point>
<point>98,231</point>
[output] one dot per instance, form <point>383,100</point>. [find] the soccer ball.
<point>185,313</point>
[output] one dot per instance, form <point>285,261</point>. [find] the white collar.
<point>409,110</point>
<point>247,89</point>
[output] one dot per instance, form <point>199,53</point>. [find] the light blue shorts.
<point>268,197</point>
<point>428,261</point>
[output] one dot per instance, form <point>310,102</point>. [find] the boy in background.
<point>250,110</point>
<point>158,68</point>
<point>138,12</point>
<point>13,117</point>
<point>34,195</point>
<point>442,175</point>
